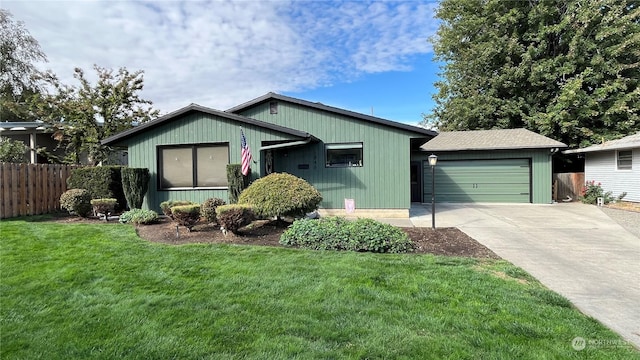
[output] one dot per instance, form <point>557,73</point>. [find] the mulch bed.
<point>441,241</point>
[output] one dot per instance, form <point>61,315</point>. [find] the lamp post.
<point>433,159</point>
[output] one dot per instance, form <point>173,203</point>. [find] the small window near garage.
<point>625,159</point>
<point>344,155</point>
<point>273,107</point>
<point>193,166</point>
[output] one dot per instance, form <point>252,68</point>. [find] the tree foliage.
<point>566,69</point>
<point>19,77</point>
<point>12,151</point>
<point>87,113</point>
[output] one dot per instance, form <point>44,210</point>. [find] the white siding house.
<point>615,164</point>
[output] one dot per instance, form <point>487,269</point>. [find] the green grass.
<point>98,291</point>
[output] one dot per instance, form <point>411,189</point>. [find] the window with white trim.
<point>193,166</point>
<point>344,155</point>
<point>625,159</point>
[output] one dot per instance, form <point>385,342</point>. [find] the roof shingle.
<point>499,139</point>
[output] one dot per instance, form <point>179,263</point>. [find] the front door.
<point>416,181</point>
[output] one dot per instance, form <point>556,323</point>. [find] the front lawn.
<point>98,291</point>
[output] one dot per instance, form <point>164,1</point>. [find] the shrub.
<point>167,205</point>
<point>139,216</point>
<point>103,206</point>
<point>281,194</point>
<point>76,201</point>
<point>135,183</point>
<point>237,182</point>
<point>233,217</point>
<point>12,151</point>
<point>208,209</point>
<point>101,181</point>
<point>186,215</point>
<point>336,233</point>
<point>592,191</point>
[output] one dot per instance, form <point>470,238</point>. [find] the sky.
<point>371,57</point>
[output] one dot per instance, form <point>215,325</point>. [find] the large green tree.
<point>85,114</point>
<point>19,77</point>
<point>567,69</point>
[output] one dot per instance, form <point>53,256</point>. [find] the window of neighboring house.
<point>343,155</point>
<point>193,166</point>
<point>625,159</point>
<point>273,107</point>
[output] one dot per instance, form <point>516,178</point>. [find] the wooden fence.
<point>567,185</point>
<point>31,189</point>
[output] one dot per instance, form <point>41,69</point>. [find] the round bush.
<point>208,209</point>
<point>281,194</point>
<point>336,233</point>
<point>76,201</point>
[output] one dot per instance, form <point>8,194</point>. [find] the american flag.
<point>246,154</point>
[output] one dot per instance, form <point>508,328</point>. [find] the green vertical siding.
<point>382,183</point>
<point>541,167</point>
<point>195,128</point>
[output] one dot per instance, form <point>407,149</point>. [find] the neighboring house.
<point>510,166</point>
<point>345,155</point>
<point>35,135</point>
<point>615,164</point>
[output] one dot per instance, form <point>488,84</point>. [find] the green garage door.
<point>505,180</point>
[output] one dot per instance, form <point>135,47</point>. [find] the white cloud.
<point>222,53</point>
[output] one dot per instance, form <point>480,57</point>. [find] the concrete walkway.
<point>573,249</point>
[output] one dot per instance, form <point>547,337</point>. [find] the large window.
<point>193,166</point>
<point>344,155</point>
<point>625,159</point>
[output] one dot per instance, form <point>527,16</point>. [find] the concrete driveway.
<point>573,249</point>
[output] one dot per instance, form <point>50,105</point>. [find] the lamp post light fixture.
<point>433,159</point>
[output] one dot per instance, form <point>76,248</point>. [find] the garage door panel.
<point>505,180</point>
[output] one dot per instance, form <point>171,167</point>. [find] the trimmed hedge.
<point>101,181</point>
<point>104,206</point>
<point>281,194</point>
<point>233,217</point>
<point>139,216</point>
<point>167,205</point>
<point>208,209</point>
<point>236,182</point>
<point>337,233</point>
<point>186,215</point>
<point>135,183</point>
<point>76,201</point>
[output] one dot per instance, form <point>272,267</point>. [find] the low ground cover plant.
<point>337,233</point>
<point>139,217</point>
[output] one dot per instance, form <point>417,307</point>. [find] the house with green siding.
<point>349,157</point>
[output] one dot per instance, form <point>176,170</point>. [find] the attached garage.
<point>504,180</point>
<point>490,166</point>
